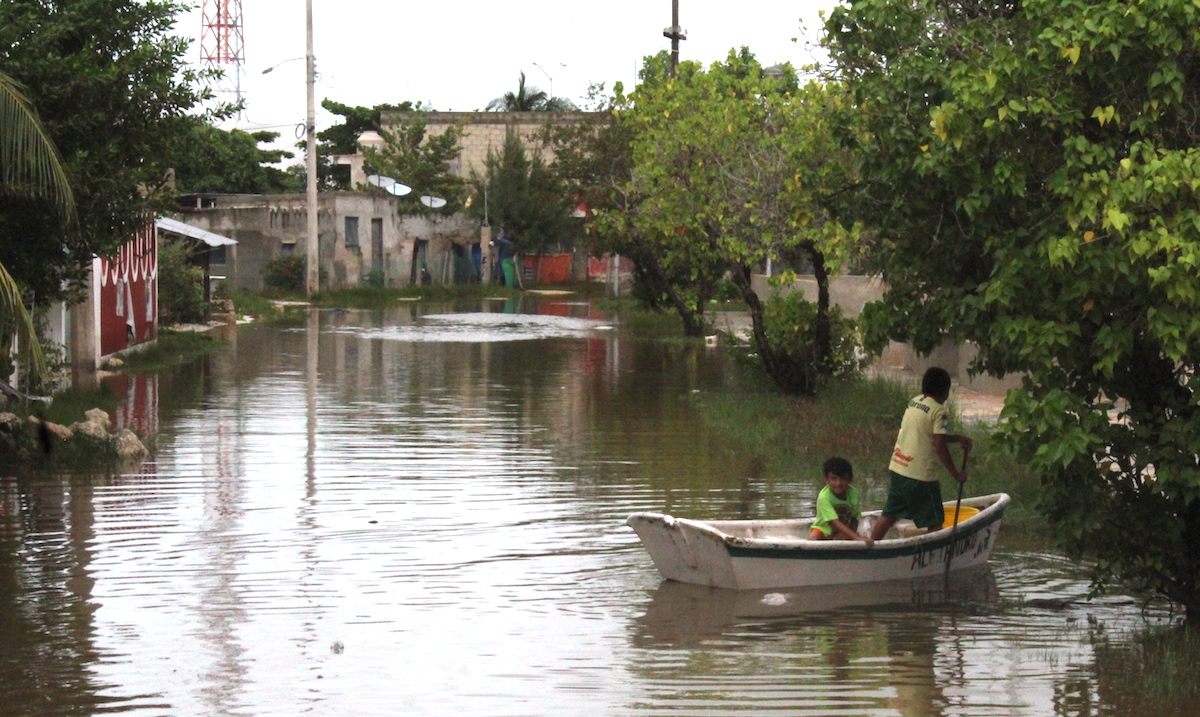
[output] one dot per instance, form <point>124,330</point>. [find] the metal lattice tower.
<point>221,37</point>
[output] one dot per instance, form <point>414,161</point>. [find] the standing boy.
<point>923,442</point>
<point>838,506</point>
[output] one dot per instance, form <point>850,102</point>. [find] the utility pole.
<point>312,282</point>
<point>675,33</point>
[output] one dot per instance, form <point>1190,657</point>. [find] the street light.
<point>312,251</point>
<point>271,69</point>
<point>547,74</point>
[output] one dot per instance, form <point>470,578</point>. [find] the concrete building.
<point>483,132</point>
<point>362,238</point>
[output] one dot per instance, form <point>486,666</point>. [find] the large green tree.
<point>342,138</point>
<point>594,158</point>
<point>420,161</point>
<point>520,195</point>
<point>1032,173</point>
<point>105,76</point>
<point>210,159</point>
<point>730,165</point>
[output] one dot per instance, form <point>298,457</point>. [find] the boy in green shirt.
<point>923,443</point>
<point>838,507</point>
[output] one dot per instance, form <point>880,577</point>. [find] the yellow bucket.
<point>964,512</point>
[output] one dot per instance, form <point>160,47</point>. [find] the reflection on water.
<point>488,328</point>
<point>340,520</point>
<point>687,615</point>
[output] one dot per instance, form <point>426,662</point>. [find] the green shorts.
<point>918,500</point>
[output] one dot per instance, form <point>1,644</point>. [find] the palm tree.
<point>29,165</point>
<point>529,99</point>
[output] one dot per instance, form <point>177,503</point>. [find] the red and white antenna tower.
<point>221,38</point>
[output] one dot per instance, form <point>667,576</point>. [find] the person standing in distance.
<point>923,442</point>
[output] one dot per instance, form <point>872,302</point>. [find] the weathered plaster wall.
<point>271,226</point>
<point>851,293</point>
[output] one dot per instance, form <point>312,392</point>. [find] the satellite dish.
<point>433,202</point>
<point>389,185</point>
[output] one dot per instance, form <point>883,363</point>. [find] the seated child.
<point>838,507</point>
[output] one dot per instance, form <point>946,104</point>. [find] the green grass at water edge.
<point>634,318</point>
<point>172,348</point>
<point>67,407</point>
<point>858,420</point>
<point>854,420</point>
<point>1159,662</point>
<point>259,306</point>
<point>70,405</point>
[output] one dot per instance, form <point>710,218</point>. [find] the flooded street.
<point>421,512</point>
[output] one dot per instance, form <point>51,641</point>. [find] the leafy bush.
<point>727,291</point>
<point>791,325</point>
<point>180,286</point>
<point>287,273</point>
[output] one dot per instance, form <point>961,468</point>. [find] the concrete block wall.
<point>851,293</point>
<point>485,131</point>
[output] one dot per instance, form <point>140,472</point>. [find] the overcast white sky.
<point>460,54</point>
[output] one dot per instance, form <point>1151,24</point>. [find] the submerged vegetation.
<point>858,420</point>
<point>172,348</point>
<point>1160,663</point>
<point>70,405</point>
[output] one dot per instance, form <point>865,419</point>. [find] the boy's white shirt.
<point>914,455</point>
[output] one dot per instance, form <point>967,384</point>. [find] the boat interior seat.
<point>904,529</point>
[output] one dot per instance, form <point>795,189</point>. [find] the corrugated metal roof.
<point>177,227</point>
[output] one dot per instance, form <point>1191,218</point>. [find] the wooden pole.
<point>954,526</point>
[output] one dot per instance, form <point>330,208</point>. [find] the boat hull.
<point>747,555</point>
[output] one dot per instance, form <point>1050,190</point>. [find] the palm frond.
<point>527,98</point>
<point>29,162</point>
<point>15,320</point>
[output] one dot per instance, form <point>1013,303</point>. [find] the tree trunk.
<point>1188,582</point>
<point>82,342</point>
<point>823,340</point>
<point>787,380</point>
<point>693,318</point>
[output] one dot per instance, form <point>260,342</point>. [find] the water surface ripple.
<point>431,523</point>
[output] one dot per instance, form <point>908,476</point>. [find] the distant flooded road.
<point>421,512</point>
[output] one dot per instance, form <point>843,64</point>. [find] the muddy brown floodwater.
<point>421,512</point>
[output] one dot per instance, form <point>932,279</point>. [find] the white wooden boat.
<point>759,554</point>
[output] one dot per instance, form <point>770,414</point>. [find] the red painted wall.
<point>548,268</point>
<point>598,267</point>
<point>128,288</point>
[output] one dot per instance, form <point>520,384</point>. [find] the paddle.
<point>954,526</point>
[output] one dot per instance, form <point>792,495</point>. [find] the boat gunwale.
<point>991,510</point>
